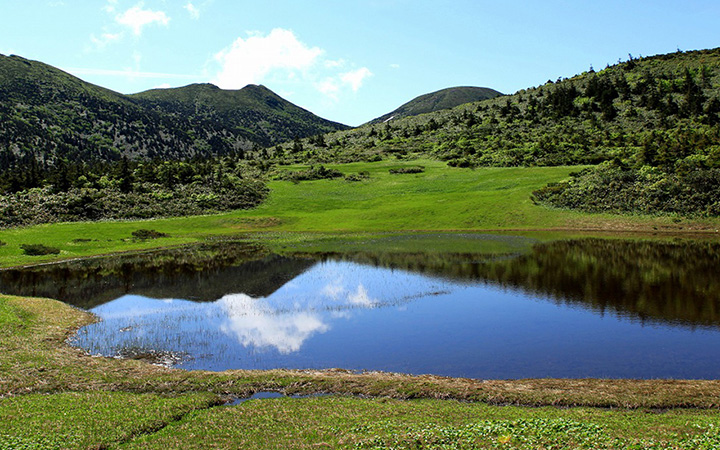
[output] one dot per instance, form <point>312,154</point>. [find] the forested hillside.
<point>70,150</point>
<point>128,189</point>
<point>650,124</point>
<point>49,115</point>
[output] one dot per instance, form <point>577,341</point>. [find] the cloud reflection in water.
<point>252,331</point>
<point>254,324</point>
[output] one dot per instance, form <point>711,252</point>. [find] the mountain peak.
<point>435,101</point>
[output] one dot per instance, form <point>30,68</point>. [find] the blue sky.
<point>351,60</point>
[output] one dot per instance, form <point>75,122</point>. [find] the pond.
<point>523,309</point>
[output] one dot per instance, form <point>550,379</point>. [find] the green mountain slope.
<point>652,125</point>
<point>254,111</point>
<point>439,100</point>
<point>48,114</point>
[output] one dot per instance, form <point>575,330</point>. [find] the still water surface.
<point>586,308</point>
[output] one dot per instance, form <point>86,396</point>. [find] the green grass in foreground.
<point>337,422</point>
<point>440,199</point>
<point>148,421</point>
<point>53,397</point>
<point>88,420</point>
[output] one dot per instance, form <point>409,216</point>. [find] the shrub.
<point>39,249</point>
<point>148,234</point>
<point>313,173</point>
<point>357,176</point>
<point>408,169</point>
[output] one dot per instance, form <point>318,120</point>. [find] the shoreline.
<point>260,235</point>
<point>53,322</point>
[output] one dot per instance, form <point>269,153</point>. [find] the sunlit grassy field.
<point>198,421</point>
<point>439,199</point>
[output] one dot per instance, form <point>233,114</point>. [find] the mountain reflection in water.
<point>673,282</point>
<point>538,313</point>
<point>240,331</point>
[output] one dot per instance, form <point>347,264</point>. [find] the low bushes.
<point>39,249</point>
<point>612,187</point>
<point>43,205</point>
<point>408,169</point>
<point>144,234</point>
<point>313,173</point>
<point>360,176</point>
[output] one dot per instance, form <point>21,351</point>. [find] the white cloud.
<point>281,60</point>
<point>329,87</point>
<point>394,66</point>
<point>361,298</point>
<point>136,18</point>
<point>163,86</point>
<point>355,78</point>
<point>193,10</point>
<point>105,39</point>
<point>250,60</point>
<point>332,290</point>
<point>332,64</point>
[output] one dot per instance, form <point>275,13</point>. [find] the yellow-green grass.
<point>90,420</point>
<point>429,424</point>
<point>440,199</point>
<point>197,421</point>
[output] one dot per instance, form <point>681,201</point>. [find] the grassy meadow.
<point>439,199</point>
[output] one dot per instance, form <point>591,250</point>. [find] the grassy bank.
<point>439,199</point>
<point>146,421</point>
<point>54,396</point>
